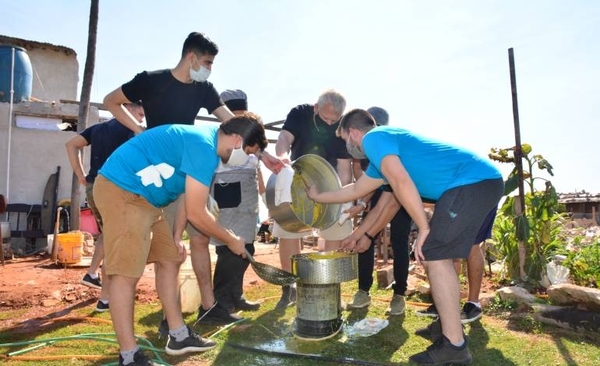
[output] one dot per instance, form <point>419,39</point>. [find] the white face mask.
<point>199,75</point>
<point>238,157</point>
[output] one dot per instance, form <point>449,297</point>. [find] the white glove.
<point>344,215</point>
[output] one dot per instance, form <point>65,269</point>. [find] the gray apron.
<point>236,192</point>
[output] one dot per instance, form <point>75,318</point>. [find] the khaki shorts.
<point>135,232</point>
<point>334,232</point>
<point>170,212</point>
<point>89,196</point>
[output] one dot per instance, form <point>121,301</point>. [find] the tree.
<point>84,103</point>
<point>537,225</point>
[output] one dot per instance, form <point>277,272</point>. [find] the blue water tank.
<point>23,74</point>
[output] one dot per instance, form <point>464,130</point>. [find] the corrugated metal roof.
<point>30,45</point>
<point>578,197</point>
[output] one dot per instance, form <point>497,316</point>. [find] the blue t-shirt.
<point>434,166</point>
<point>154,164</point>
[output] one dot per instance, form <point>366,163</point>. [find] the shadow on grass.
<point>572,326</point>
<point>478,339</point>
<point>44,324</point>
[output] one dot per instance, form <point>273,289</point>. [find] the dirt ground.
<point>39,287</point>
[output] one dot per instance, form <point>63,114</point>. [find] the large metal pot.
<point>302,213</point>
<point>322,268</point>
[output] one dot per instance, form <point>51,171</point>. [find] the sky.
<point>440,68</point>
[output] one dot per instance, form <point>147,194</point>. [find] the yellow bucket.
<point>70,247</point>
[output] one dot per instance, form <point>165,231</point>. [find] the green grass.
<point>496,340</point>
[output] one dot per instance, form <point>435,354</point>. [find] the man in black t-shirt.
<point>311,129</point>
<point>176,96</point>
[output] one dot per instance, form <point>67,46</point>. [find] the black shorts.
<point>458,217</point>
<point>485,231</point>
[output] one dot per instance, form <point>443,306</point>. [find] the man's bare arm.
<point>114,103</point>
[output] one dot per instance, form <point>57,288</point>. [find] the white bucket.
<point>5,226</point>
<point>50,242</point>
<point>189,291</point>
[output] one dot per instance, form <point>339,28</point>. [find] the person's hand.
<point>274,163</point>
<point>312,192</point>
<point>363,244</point>
<point>348,244</point>
<point>82,180</point>
<point>419,257</point>
<point>238,246</point>
<point>181,251</point>
<point>354,210</point>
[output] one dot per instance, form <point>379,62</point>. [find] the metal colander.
<point>274,275</point>
<point>323,268</point>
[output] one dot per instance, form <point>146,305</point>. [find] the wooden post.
<point>518,159</point>
<point>2,210</point>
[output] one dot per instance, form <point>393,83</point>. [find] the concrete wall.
<point>55,75</point>
<point>55,69</point>
<point>35,154</point>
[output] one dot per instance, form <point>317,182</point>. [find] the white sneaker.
<point>361,300</point>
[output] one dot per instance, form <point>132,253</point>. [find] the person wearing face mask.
<point>383,209</point>
<point>176,96</point>
<point>141,177</point>
<point>465,188</point>
<point>310,129</point>
<point>236,191</point>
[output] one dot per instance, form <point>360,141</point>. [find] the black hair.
<point>249,126</point>
<point>199,43</point>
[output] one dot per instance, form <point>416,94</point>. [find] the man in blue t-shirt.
<point>140,178</point>
<point>176,96</point>
<point>465,187</point>
<point>104,138</point>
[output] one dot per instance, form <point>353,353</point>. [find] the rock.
<point>486,299</point>
<point>50,302</point>
<point>424,289</point>
<point>385,276</point>
<point>567,317</point>
<point>515,294</point>
<point>568,294</point>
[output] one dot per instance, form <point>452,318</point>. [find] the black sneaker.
<point>431,312</point>
<point>91,282</point>
<point>217,315</point>
<point>102,307</point>
<point>139,359</point>
<point>442,352</point>
<point>193,343</point>
<point>470,312</point>
<point>246,305</point>
<point>288,297</point>
<point>431,332</point>
<point>163,329</point>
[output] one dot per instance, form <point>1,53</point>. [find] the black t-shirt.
<point>104,138</point>
<point>167,100</point>
<point>314,137</point>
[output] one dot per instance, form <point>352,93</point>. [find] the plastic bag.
<point>368,327</point>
